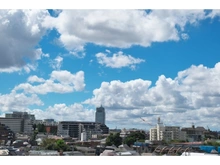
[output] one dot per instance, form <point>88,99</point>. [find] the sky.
<point>62,64</point>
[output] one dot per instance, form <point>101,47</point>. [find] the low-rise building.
<point>15,124</point>
<point>19,122</point>
<point>75,128</point>
<point>194,133</point>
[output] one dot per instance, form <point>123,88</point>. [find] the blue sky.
<point>62,64</point>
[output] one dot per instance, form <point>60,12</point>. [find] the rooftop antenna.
<point>158,120</point>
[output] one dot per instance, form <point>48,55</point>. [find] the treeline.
<point>115,139</point>
<point>54,144</point>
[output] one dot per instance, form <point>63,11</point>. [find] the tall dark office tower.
<point>100,115</point>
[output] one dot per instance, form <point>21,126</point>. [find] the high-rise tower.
<point>100,115</point>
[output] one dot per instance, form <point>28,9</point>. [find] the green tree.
<point>129,140</point>
<point>41,128</point>
<point>53,144</point>
<point>48,144</point>
<point>33,138</point>
<point>114,139</point>
<point>61,145</point>
<point>133,137</point>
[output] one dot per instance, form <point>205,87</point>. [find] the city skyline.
<point>62,64</point>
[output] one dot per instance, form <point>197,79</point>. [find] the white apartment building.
<point>167,133</point>
<point>153,134</point>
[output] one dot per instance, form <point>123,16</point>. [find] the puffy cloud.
<point>34,78</point>
<point>58,112</point>
<point>121,28</point>
<point>117,94</point>
<point>57,63</point>
<point>20,32</point>
<point>118,60</point>
<point>193,96</point>
<point>65,77</point>
<point>63,112</point>
<point>18,101</point>
<point>59,82</point>
<point>201,80</point>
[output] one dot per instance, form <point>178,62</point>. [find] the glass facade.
<point>100,115</point>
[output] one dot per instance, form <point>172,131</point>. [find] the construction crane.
<point>146,121</point>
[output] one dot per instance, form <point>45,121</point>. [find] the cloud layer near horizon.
<point>194,95</point>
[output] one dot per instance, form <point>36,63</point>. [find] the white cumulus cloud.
<point>35,78</point>
<point>18,101</point>
<point>121,28</point>
<point>193,96</point>
<point>118,60</point>
<point>63,112</point>
<point>59,82</point>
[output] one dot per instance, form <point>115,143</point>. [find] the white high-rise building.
<point>100,115</point>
